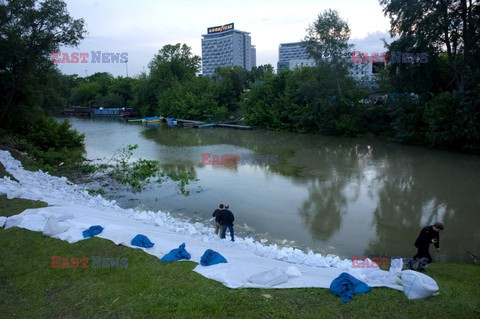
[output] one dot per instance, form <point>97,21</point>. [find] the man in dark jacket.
<point>216,214</point>
<point>429,234</point>
<point>226,219</point>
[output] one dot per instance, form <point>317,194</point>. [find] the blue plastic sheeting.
<point>211,257</point>
<point>346,286</point>
<point>176,254</point>
<point>142,241</point>
<point>92,231</point>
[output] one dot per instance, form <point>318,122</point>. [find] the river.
<point>350,197</point>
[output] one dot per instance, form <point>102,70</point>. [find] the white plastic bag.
<point>417,285</point>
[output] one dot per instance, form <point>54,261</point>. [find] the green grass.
<point>10,207</point>
<point>31,288</point>
<point>3,172</point>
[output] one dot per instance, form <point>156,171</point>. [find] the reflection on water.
<point>351,197</point>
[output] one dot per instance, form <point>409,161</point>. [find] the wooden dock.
<point>199,124</point>
<point>234,126</point>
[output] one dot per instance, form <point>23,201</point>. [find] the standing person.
<point>216,214</point>
<point>226,219</point>
<point>428,235</point>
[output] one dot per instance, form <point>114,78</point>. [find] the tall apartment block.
<point>225,46</point>
<point>292,55</point>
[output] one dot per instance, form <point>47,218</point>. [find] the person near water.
<point>428,235</point>
<point>216,214</point>
<point>226,220</point>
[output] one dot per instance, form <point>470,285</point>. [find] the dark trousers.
<point>422,256</point>
<point>224,231</point>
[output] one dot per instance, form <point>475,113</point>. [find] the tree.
<point>124,88</point>
<point>230,83</point>
<point>327,39</point>
<point>104,79</point>
<point>173,63</point>
<point>261,73</point>
<point>144,100</point>
<point>450,26</point>
<point>29,31</point>
<point>327,43</point>
<point>84,94</point>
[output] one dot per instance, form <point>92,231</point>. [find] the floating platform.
<point>234,126</point>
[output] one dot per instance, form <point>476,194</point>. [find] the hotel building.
<point>225,46</point>
<point>292,55</point>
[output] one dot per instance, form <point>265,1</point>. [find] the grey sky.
<point>141,28</point>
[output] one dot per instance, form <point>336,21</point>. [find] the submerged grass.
<point>31,288</point>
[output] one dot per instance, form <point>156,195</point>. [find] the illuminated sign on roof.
<point>221,28</point>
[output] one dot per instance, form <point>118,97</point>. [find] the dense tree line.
<point>434,103</point>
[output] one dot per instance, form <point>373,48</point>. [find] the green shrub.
<point>46,133</point>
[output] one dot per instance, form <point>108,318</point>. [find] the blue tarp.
<point>211,257</point>
<point>176,254</point>
<point>346,286</point>
<point>142,241</point>
<point>92,231</point>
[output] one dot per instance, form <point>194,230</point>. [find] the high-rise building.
<point>292,55</point>
<point>225,46</point>
<point>367,72</point>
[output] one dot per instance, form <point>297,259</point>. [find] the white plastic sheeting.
<point>73,209</point>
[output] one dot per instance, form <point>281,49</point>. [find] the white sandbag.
<point>270,278</point>
<point>3,219</point>
<point>13,221</point>
<point>293,271</point>
<point>417,285</point>
<point>396,265</point>
<point>52,227</point>
<point>394,276</point>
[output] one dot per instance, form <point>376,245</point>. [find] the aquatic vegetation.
<point>140,173</point>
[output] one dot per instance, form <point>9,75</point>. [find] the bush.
<point>46,133</point>
<point>453,122</point>
<point>54,147</point>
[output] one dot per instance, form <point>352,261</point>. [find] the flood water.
<point>349,197</point>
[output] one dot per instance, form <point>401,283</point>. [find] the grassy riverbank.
<point>31,288</point>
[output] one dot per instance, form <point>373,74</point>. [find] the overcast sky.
<point>143,27</point>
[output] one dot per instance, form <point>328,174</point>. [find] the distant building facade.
<point>225,46</point>
<point>292,55</point>
<point>367,74</point>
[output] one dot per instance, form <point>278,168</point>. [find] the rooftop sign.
<point>221,28</point>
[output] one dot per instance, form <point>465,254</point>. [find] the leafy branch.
<point>142,172</point>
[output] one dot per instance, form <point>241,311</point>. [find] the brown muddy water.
<point>349,197</point>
